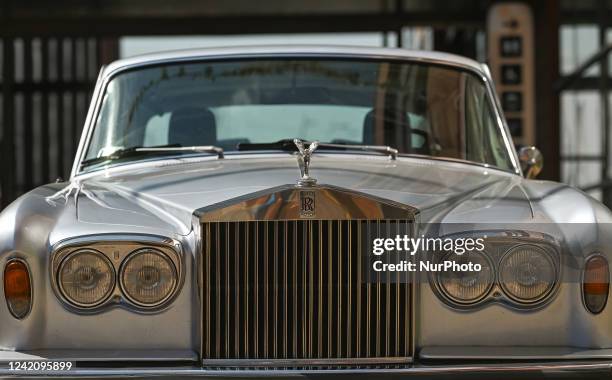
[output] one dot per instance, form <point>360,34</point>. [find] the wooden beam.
<point>228,25</point>
<point>548,137</point>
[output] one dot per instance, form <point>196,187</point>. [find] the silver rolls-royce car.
<point>248,212</point>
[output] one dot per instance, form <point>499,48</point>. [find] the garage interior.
<point>51,53</point>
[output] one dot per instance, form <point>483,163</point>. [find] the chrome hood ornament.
<point>304,155</point>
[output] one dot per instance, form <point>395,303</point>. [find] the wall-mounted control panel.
<point>510,42</point>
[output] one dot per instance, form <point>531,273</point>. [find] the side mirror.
<point>531,160</point>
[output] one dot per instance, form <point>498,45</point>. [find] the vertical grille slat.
<point>227,288</point>
<point>256,291</point>
<point>339,291</point>
<point>377,320</point>
<point>330,295</point>
<point>301,289</point>
<point>359,257</point>
<point>237,289</point>
<point>295,292</point>
<point>368,309</point>
<point>206,303</point>
<point>266,317</point>
<point>275,292</point>
<point>218,292</point>
<point>247,294</point>
<point>320,294</point>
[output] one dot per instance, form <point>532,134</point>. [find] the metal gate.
<point>45,85</point>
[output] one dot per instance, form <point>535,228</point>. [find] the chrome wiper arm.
<point>197,148</point>
<point>139,150</point>
<point>289,146</point>
<point>286,145</point>
<point>391,152</point>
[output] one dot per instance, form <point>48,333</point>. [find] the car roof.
<point>293,50</point>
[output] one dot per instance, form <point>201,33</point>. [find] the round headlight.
<point>86,278</point>
<point>148,277</point>
<point>470,286</point>
<point>527,273</point>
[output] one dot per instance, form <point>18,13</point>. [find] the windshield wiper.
<point>137,151</point>
<point>289,146</point>
<point>385,149</point>
<point>285,144</point>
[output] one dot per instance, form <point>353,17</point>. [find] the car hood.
<point>164,195</point>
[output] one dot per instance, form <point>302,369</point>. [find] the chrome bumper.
<point>551,370</point>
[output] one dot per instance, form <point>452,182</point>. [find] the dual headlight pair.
<point>147,277</point>
<point>525,273</point>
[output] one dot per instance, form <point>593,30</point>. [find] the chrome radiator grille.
<point>297,289</point>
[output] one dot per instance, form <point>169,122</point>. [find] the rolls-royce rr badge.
<point>307,204</point>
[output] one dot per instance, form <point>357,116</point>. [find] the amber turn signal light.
<point>596,284</point>
<point>17,288</point>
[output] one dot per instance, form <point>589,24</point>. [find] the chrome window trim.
<point>501,120</point>
<point>105,77</point>
<point>131,243</point>
<point>24,262</point>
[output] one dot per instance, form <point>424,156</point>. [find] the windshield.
<point>416,108</point>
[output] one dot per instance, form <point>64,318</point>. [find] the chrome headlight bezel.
<point>116,248</point>
<point>503,284</point>
<point>104,259</point>
<point>497,245</point>
<point>465,302</point>
<point>124,287</point>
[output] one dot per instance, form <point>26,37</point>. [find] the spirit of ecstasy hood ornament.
<point>304,161</point>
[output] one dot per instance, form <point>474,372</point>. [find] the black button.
<point>512,101</point>
<point>511,74</point>
<point>511,46</point>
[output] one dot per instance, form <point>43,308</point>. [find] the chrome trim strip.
<point>384,149</point>
<point>515,353</point>
<point>96,101</point>
<point>199,274</point>
<point>358,317</point>
<point>218,291</point>
<point>501,120</point>
<point>282,203</point>
<point>339,290</point>
<point>227,289</point>
<point>323,362</point>
<point>518,369</point>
